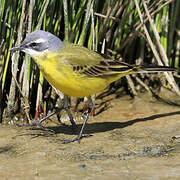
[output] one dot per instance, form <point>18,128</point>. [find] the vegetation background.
<point>139,31</point>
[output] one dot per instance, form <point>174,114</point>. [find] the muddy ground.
<point>131,140</point>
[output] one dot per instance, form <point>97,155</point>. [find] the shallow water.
<point>131,140</point>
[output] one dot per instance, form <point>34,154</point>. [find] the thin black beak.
<point>17,48</point>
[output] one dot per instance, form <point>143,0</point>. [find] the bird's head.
<point>39,42</point>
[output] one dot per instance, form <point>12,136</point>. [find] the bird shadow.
<point>99,127</point>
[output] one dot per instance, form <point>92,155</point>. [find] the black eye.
<point>33,44</point>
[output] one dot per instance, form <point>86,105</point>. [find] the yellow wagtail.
<point>76,70</point>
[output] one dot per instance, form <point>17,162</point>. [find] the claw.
<point>35,124</point>
<point>39,123</point>
<point>76,139</point>
<point>74,126</point>
<point>80,136</point>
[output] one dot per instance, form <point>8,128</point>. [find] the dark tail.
<point>158,69</point>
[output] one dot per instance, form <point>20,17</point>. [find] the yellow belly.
<point>69,82</point>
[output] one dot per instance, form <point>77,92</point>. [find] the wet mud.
<point>132,139</point>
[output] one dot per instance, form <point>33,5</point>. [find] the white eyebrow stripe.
<point>40,40</point>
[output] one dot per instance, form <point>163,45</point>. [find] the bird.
<point>75,70</point>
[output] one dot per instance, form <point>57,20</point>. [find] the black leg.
<point>78,101</point>
<point>58,110</point>
<point>39,123</point>
<point>74,126</point>
<point>80,136</point>
<point>67,109</point>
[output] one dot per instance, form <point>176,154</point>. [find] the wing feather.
<point>91,63</point>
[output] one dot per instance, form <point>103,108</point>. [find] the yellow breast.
<point>71,83</point>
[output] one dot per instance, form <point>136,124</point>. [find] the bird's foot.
<point>36,124</point>
<point>76,139</point>
<point>39,123</point>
